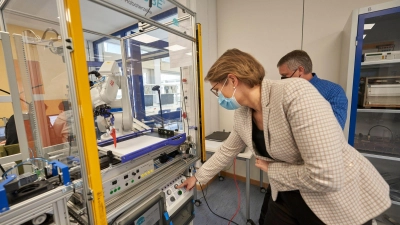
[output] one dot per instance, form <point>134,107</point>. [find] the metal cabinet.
<point>370,74</point>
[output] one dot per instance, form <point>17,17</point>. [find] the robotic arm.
<point>104,92</point>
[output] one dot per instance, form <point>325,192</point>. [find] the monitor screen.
<point>148,100</point>
<point>167,99</point>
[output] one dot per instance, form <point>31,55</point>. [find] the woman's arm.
<point>231,147</point>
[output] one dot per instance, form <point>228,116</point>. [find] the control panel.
<point>174,196</point>
<point>127,179</point>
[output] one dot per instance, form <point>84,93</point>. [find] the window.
<point>112,48</point>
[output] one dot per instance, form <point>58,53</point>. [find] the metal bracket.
<point>90,195</point>
<point>68,188</point>
<point>70,46</point>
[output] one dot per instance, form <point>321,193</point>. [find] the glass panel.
<point>378,114</point>
<point>158,59</point>
<point>43,81</point>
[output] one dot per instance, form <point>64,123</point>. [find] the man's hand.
<point>188,183</point>
<point>263,165</point>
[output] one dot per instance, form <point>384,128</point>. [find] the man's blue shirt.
<point>335,95</point>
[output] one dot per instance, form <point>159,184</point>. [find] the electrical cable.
<point>2,169</point>
<point>10,94</point>
<point>391,133</point>
<point>150,5</point>
<point>5,91</point>
<point>23,163</point>
<point>238,191</point>
<point>147,11</point>
<point>205,199</point>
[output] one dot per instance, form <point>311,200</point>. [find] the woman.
<point>315,176</point>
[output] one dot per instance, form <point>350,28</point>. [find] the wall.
<point>270,29</point>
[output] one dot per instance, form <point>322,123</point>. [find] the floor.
<point>222,198</point>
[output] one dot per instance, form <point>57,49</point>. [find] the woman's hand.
<point>188,183</point>
<point>263,165</point>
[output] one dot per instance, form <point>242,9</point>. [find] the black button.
<point>114,182</point>
<point>133,173</point>
<point>137,171</point>
<point>126,177</point>
<point>139,177</point>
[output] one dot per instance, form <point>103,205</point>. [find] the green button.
<point>115,190</point>
<point>179,192</point>
<point>119,188</point>
<point>111,192</point>
<point>132,181</point>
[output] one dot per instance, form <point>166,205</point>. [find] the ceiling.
<point>94,17</point>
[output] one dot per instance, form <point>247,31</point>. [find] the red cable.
<point>238,191</point>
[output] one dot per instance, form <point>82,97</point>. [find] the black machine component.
<point>157,88</point>
<point>102,110</point>
<point>170,133</point>
<point>28,191</point>
<point>20,181</point>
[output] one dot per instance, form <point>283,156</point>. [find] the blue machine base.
<point>172,141</point>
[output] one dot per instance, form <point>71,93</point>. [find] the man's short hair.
<point>297,58</point>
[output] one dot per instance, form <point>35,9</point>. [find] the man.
<point>298,64</point>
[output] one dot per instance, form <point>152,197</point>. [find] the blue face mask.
<point>228,103</point>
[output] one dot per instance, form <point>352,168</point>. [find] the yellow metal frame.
<point>201,91</point>
<point>79,67</point>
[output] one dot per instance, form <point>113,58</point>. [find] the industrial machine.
<point>379,56</point>
<point>130,174</point>
<point>379,92</point>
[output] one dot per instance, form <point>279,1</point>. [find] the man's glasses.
<point>214,91</point>
<point>284,77</point>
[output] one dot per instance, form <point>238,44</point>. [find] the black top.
<point>290,197</point>
<point>11,132</point>
<point>259,141</point>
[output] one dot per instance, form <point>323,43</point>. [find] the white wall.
<point>270,29</point>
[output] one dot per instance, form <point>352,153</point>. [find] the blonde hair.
<point>244,66</point>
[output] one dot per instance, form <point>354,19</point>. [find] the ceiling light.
<point>368,26</point>
<point>364,36</point>
<point>189,53</point>
<point>175,48</point>
<point>145,38</point>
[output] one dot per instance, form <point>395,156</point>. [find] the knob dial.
<point>176,186</point>
<point>172,199</point>
<point>169,192</point>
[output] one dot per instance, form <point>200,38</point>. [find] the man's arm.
<point>339,105</point>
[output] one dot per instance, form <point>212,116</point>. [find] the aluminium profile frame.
<point>141,18</point>
<point>54,200</point>
<point>12,80</point>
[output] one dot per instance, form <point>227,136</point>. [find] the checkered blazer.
<point>310,154</point>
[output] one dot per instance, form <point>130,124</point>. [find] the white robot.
<point>104,95</point>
